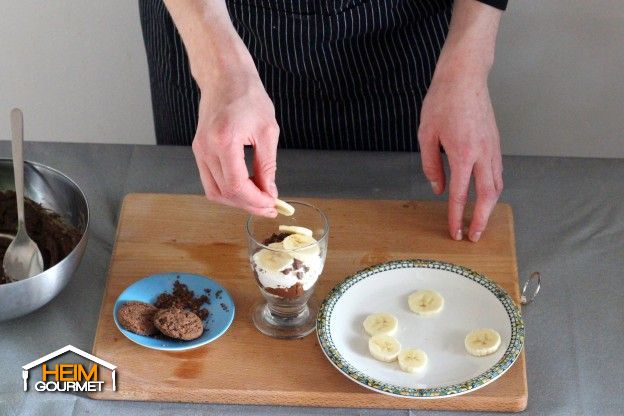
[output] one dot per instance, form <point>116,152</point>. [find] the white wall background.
<point>78,70</point>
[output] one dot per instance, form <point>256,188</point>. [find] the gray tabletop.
<point>569,216</point>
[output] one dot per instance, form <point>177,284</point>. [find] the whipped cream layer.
<point>285,278</point>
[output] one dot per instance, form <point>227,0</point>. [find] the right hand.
<point>233,112</point>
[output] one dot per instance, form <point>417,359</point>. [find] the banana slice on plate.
<point>272,261</point>
<point>425,302</point>
<point>302,247</point>
<point>284,208</point>
<point>384,347</point>
<point>481,342</point>
<point>412,360</point>
<point>381,323</point>
<point>294,229</point>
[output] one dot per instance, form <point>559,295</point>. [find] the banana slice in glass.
<point>295,229</point>
<point>272,261</point>
<point>302,247</point>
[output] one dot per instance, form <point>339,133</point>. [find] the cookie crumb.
<point>183,298</point>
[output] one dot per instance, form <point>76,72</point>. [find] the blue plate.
<point>147,290</point>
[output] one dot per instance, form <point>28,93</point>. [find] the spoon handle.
<point>17,136</point>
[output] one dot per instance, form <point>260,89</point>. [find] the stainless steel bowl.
<point>57,192</point>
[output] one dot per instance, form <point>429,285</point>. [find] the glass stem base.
<point>284,323</point>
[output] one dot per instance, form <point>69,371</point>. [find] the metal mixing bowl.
<point>57,192</point>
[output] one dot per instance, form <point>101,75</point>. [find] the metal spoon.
<point>22,258</point>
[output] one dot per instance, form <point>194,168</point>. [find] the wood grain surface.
<point>185,233</point>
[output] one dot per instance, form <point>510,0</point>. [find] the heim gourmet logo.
<point>68,377</point>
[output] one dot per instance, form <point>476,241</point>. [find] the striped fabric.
<point>347,74</point>
<point>175,95</point>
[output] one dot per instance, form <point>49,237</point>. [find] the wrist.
<point>463,63</point>
<point>213,68</point>
<point>469,47</point>
<point>219,56</point>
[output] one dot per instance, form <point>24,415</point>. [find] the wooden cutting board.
<point>185,233</point>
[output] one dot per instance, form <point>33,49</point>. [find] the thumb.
<point>265,162</point>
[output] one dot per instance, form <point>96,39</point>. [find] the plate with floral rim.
<point>471,301</point>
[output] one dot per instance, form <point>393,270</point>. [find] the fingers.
<point>487,195</point>
<point>214,194</point>
<point>234,182</point>
<point>225,181</point>
<point>432,161</point>
<point>265,156</point>
<point>458,196</point>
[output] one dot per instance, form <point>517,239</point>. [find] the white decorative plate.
<point>471,301</point>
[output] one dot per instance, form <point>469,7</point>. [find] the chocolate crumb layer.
<point>275,238</point>
<point>294,291</point>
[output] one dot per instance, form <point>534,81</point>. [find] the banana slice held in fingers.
<point>295,229</point>
<point>302,247</point>
<point>284,208</point>
<point>412,360</point>
<point>272,261</point>
<point>384,347</point>
<point>381,323</point>
<point>481,342</point>
<point>425,302</point>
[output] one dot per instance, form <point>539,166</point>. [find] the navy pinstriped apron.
<point>348,74</point>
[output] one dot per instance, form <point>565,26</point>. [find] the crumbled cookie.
<point>137,317</point>
<point>183,298</point>
<point>179,324</point>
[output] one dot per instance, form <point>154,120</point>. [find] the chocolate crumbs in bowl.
<point>53,234</point>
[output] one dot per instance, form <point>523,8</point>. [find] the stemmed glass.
<point>287,276</point>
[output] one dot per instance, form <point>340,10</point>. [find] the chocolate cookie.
<point>179,324</point>
<point>138,317</point>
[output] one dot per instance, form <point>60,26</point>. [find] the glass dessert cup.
<point>287,275</point>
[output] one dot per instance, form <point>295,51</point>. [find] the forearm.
<point>470,44</point>
<point>212,44</point>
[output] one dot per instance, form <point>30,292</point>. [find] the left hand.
<point>457,114</point>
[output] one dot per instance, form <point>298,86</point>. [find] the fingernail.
<point>458,235</point>
<point>476,236</point>
<point>435,186</point>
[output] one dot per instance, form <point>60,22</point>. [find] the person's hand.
<point>236,111</point>
<point>457,114</point>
